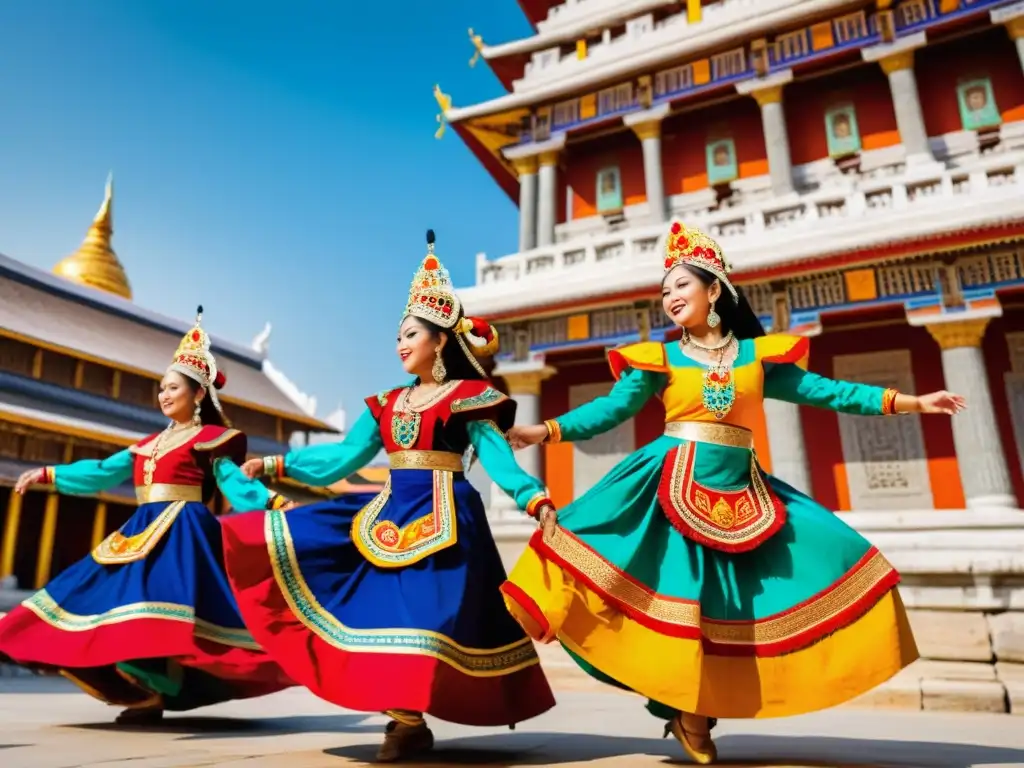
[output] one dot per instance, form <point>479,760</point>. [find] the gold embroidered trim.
<point>217,442</point>
<point>118,549</point>
<point>434,460</point>
<point>172,441</point>
<point>685,613</point>
<point>145,494</point>
<point>710,432</point>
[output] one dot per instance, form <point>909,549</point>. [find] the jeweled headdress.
<point>432,295</point>
<point>688,245</point>
<point>195,360</point>
<point>432,298</point>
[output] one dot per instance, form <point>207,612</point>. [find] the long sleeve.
<point>499,462</point>
<point>322,465</point>
<point>242,493</point>
<point>92,476</point>
<point>793,384</point>
<point>627,397</point>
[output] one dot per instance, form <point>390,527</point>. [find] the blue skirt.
<point>427,633</point>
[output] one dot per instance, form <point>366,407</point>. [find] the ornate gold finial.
<point>444,101</point>
<point>478,43</point>
<point>95,263</point>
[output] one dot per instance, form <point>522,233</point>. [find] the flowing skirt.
<point>431,636</point>
<point>162,630</point>
<point>809,619</point>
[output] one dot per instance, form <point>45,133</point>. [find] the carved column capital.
<point>894,62</point>
<point>648,130</point>
<point>526,382</point>
<point>770,95</point>
<point>525,165</point>
<point>549,157</point>
<point>1016,28</point>
<point>959,333</point>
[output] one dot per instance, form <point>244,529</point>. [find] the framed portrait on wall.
<point>977,104</point>
<point>841,131</point>
<point>721,161</point>
<point>609,189</point>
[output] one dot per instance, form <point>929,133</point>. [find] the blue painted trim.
<point>104,410</point>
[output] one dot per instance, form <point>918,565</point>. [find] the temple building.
<point>862,167</point>
<point>80,366</point>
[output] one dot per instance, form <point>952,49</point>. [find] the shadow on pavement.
<point>196,728</point>
<point>528,749</point>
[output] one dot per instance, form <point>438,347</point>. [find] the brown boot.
<point>402,741</point>
<point>694,733</point>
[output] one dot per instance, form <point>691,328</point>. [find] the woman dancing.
<point>147,621</point>
<point>395,606</point>
<point>688,574</point>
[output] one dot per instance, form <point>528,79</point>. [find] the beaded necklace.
<point>406,418</point>
<point>718,392</point>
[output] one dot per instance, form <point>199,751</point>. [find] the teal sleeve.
<point>242,493</point>
<point>92,476</point>
<point>321,465</point>
<point>499,462</point>
<point>785,381</point>
<point>624,401</point>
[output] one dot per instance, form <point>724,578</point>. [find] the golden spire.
<point>94,263</point>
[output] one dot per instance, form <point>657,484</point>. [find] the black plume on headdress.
<point>430,237</point>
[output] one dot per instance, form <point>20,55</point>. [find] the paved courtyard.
<point>44,723</point>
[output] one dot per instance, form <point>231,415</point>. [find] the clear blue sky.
<point>273,161</point>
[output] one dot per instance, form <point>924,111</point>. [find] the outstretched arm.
<point>83,477</point>
<point>322,465</point>
<point>500,464</point>
<point>241,492</point>
<point>627,397</point>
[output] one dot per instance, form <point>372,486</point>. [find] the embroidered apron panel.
<point>118,549</point>
<point>386,545</point>
<point>736,519</point>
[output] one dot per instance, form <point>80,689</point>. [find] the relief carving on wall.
<point>594,458</point>
<point>886,463</point>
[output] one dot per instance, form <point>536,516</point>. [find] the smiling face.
<point>417,347</point>
<point>178,397</point>
<point>686,299</point>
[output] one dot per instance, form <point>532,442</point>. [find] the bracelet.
<point>538,502</point>
<point>554,431</point>
<point>46,476</point>
<point>273,466</point>
<point>889,402</point>
<point>278,501</point>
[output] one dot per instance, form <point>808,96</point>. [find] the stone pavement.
<point>45,723</point>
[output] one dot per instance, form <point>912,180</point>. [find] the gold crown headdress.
<point>194,359</point>
<point>432,298</point>
<point>688,245</point>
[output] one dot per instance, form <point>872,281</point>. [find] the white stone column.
<point>786,440</point>
<point>647,127</point>
<point>897,61</point>
<point>547,194</point>
<point>526,167</point>
<point>768,93</point>
<point>979,448</point>
<point>524,383</point>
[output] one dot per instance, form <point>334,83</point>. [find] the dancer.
<point>147,621</point>
<point>688,574</point>
<point>395,607</point>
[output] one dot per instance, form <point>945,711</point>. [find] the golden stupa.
<point>94,263</point>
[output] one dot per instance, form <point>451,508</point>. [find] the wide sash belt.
<point>436,460</point>
<point>710,432</point>
<point>145,494</point>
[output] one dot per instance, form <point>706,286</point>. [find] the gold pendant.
<point>405,429</point>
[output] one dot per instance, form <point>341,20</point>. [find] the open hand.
<point>521,437</point>
<point>253,468</point>
<point>548,521</point>
<point>28,478</point>
<point>941,402</point>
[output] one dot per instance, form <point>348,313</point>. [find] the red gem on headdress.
<point>195,335</point>
<point>447,310</point>
<point>682,243</point>
<point>423,299</point>
<point>676,228</point>
<point>431,300</point>
<point>430,263</point>
<point>668,262</point>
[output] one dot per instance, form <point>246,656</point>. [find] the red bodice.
<point>186,458</point>
<point>442,425</point>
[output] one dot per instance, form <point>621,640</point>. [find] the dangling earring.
<point>438,371</point>
<point>713,318</point>
<point>197,419</point>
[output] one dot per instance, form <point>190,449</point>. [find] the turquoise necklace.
<point>718,392</point>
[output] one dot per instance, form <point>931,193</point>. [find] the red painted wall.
<point>585,160</point>
<point>939,67</point>
<point>997,355</point>
<point>806,101</point>
<point>685,136</point>
<point>821,428</point>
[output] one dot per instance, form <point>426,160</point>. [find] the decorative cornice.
<point>954,334</point>
<point>895,62</point>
